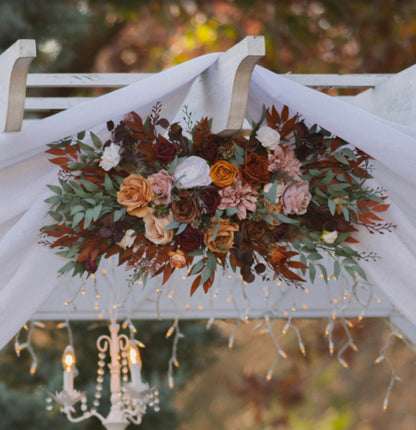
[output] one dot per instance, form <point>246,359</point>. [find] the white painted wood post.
<point>221,92</point>
<point>14,66</point>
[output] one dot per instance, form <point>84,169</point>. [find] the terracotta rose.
<point>225,236</point>
<point>255,169</point>
<point>135,194</point>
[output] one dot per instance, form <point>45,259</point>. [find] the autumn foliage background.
<point>315,392</point>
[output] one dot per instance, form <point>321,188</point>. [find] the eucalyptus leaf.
<point>96,140</point>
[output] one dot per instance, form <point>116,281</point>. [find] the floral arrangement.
<point>162,199</point>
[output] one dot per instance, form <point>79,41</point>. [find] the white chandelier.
<point>129,401</point>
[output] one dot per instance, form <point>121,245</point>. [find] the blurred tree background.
<point>217,388</point>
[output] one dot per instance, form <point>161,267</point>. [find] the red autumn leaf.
<point>60,161</point>
<point>380,208</point>
<point>208,284</point>
<point>65,228</point>
<point>195,284</point>
<point>167,273</point>
<point>290,275</point>
<point>56,151</point>
<point>113,251</point>
<point>53,233</point>
<point>351,240</point>
<point>297,265</point>
<point>335,144</point>
<point>374,217</point>
<point>126,255</point>
<point>285,113</point>
<point>64,241</point>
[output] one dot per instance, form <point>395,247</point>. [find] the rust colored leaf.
<point>56,151</point>
<point>351,240</point>
<point>380,208</point>
<point>208,284</point>
<point>195,284</point>
<point>167,273</point>
<point>285,113</point>
<point>297,265</point>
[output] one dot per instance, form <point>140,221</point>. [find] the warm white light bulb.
<point>68,359</point>
<point>134,355</point>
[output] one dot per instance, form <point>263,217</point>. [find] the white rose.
<point>268,137</point>
<point>128,239</point>
<point>192,172</point>
<point>329,236</point>
<point>110,157</point>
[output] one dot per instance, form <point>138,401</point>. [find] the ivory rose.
<point>135,194</point>
<point>224,238</point>
<point>162,184</point>
<point>128,239</point>
<point>295,198</point>
<point>192,172</point>
<point>329,236</point>
<point>223,173</point>
<point>154,228</point>
<point>268,137</point>
<point>110,157</point>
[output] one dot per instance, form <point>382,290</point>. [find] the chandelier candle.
<point>68,362</point>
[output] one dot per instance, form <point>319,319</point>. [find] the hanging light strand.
<point>173,361</point>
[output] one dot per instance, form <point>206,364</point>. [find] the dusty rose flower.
<point>154,228</point>
<point>177,259</point>
<point>283,159</point>
<point>239,195</point>
<point>186,209</point>
<point>224,238</point>
<point>135,194</point>
<point>295,198</point>
<point>162,184</point>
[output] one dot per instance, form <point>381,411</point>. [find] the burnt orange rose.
<point>135,194</point>
<point>255,169</point>
<point>177,259</point>
<point>224,238</point>
<point>223,173</point>
<point>276,256</point>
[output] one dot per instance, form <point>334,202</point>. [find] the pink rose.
<point>154,228</point>
<point>162,184</point>
<point>295,198</point>
<point>283,159</point>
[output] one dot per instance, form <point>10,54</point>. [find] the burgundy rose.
<point>186,209</point>
<point>278,232</point>
<point>165,151</point>
<point>211,200</point>
<point>211,152</point>
<point>190,239</point>
<point>90,265</point>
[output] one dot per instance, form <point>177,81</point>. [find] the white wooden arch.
<point>221,93</point>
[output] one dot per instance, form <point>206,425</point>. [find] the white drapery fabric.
<point>28,270</point>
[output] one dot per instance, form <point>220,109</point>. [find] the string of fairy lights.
<point>276,299</point>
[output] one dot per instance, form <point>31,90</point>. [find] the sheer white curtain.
<point>28,269</point>
<point>394,148</point>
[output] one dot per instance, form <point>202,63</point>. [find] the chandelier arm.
<point>83,417</point>
<point>103,342</point>
<point>123,341</point>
